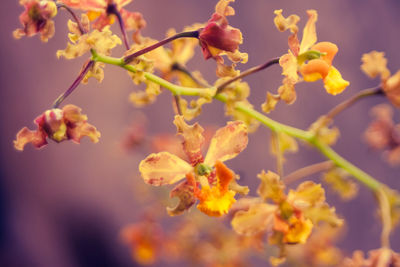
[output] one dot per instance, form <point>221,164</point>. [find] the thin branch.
<point>177,100</point>
<point>192,34</point>
<point>307,136</point>
<point>247,73</point>
<point>112,9</point>
<point>75,84</point>
<point>70,11</point>
<point>349,102</point>
<point>308,170</point>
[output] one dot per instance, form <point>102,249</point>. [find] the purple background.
<point>65,204</point>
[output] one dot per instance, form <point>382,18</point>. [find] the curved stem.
<point>308,170</point>
<point>349,102</point>
<point>75,84</point>
<point>247,73</point>
<point>70,11</point>
<point>335,159</point>
<point>192,34</point>
<point>307,136</point>
<point>112,9</point>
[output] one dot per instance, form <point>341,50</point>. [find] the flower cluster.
<point>215,195</point>
<point>59,125</point>
<point>380,257</point>
<point>289,218</point>
<point>384,134</point>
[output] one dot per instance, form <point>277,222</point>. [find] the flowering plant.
<point>281,220</point>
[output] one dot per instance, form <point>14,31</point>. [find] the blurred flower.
<point>59,125</point>
<point>382,257</point>
<point>100,11</point>
<point>341,184</point>
<point>291,217</point>
<point>37,19</point>
<point>374,64</point>
<point>145,239</point>
<point>313,60</point>
<point>166,168</point>
<point>383,134</point>
<point>320,249</point>
<point>137,132</point>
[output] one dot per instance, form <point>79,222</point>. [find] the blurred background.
<point>64,205</point>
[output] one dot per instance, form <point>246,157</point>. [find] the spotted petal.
<point>192,139</point>
<point>163,168</point>
<point>227,142</point>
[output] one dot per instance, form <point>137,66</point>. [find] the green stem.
<point>307,136</point>
<point>175,89</point>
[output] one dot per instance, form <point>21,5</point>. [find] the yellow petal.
<point>299,231</point>
<point>283,24</point>
<point>288,62</point>
<point>323,213</point>
<point>286,91</point>
<point>341,184</point>
<point>270,102</point>
<point>309,32</point>
<point>224,9</point>
<point>227,142</point>
<point>306,195</point>
<point>92,15</point>
<point>334,83</point>
<point>255,220</point>
<point>374,64</point>
<point>271,187</point>
<point>214,202</point>
<point>163,168</point>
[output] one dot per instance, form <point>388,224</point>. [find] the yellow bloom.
<point>216,200</point>
<point>299,230</point>
<point>313,60</point>
<point>165,168</point>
